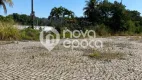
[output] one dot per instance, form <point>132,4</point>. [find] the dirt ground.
<point>31,61</point>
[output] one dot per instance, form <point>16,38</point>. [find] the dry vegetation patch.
<point>106,55</point>
<point>6,42</point>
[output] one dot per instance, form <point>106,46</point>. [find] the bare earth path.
<point>31,61</point>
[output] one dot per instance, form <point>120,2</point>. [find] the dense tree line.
<point>113,15</point>
<point>23,19</point>
<point>56,16</point>
<point>104,16</point>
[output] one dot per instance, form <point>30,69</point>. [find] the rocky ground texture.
<point>31,61</point>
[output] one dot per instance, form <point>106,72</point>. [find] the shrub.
<point>29,34</point>
<point>106,55</point>
<point>102,30</point>
<point>8,31</point>
<point>130,26</point>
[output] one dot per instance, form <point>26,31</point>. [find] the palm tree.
<point>68,13</point>
<point>61,12</point>
<point>90,7</point>
<point>91,10</point>
<point>4,2</point>
<point>56,12</point>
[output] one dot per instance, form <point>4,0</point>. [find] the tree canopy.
<point>103,16</point>
<point>4,2</point>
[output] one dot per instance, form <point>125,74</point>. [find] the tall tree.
<point>4,2</point>
<point>119,17</point>
<point>105,11</point>
<point>57,12</point>
<point>61,12</point>
<point>68,13</point>
<point>91,10</point>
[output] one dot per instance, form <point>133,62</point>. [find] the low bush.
<point>8,31</point>
<point>102,30</point>
<point>106,55</point>
<point>29,34</point>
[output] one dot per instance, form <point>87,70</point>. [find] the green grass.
<point>29,34</point>
<point>106,55</point>
<point>8,31</point>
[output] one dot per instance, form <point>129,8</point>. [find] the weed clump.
<point>106,55</point>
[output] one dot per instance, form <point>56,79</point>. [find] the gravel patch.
<point>31,61</point>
